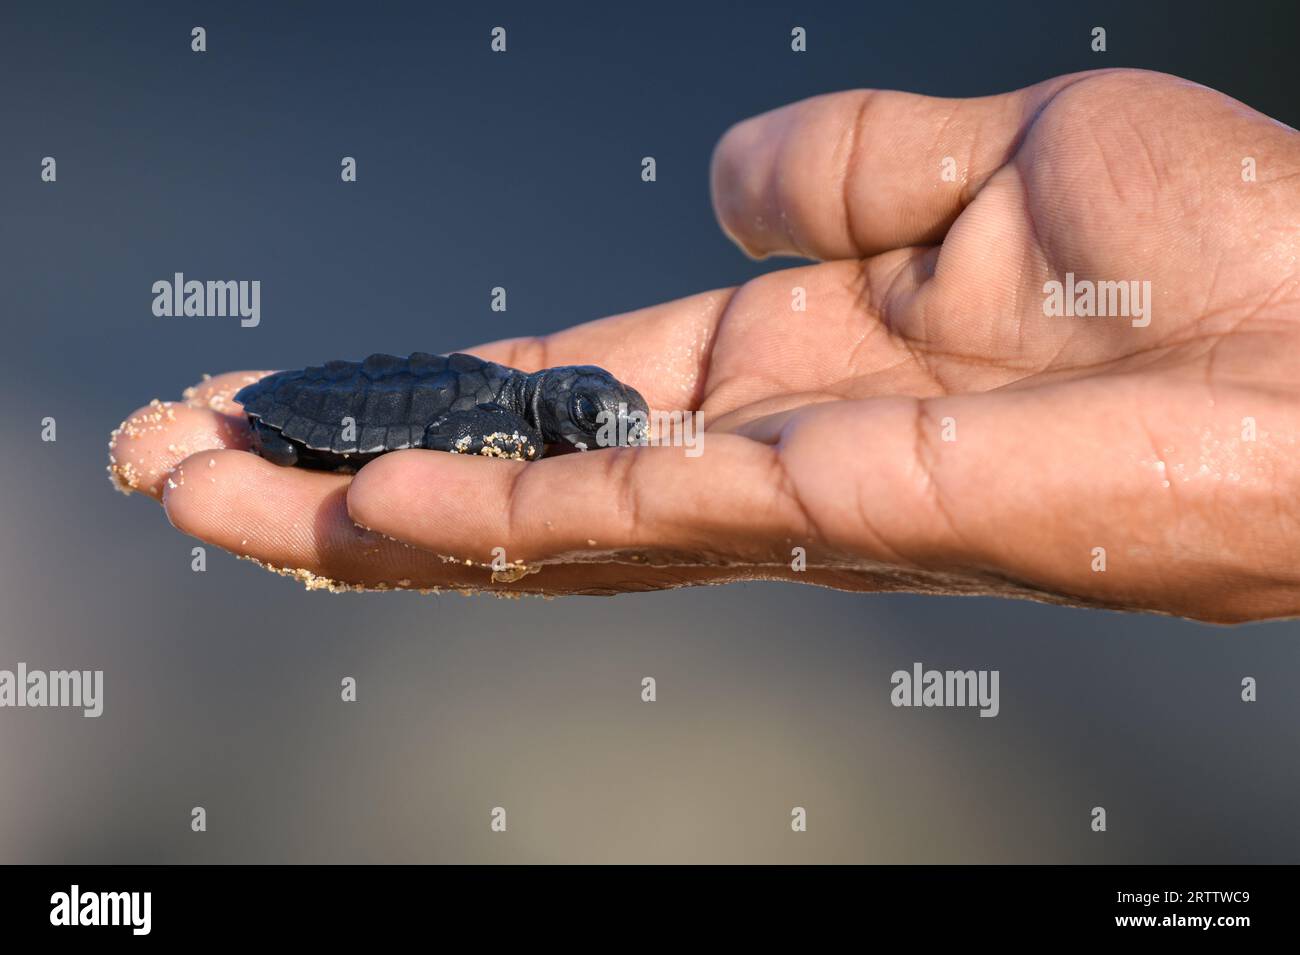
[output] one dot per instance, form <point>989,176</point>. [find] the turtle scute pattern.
<point>390,399</point>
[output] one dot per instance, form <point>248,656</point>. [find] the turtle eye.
<point>584,410</point>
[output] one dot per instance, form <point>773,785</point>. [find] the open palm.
<point>903,415</point>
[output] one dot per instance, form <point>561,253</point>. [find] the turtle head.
<point>586,407</point>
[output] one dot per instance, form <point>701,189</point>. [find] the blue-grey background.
<point>523,170</point>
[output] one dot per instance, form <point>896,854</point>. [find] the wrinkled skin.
<point>579,405</point>
<point>826,427</point>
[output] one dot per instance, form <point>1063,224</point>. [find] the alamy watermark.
<point>82,689</point>
<point>1085,298</point>
<point>662,429</point>
<point>75,907</point>
<point>179,298</point>
<point>921,687</point>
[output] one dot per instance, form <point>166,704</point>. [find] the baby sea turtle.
<point>342,414</point>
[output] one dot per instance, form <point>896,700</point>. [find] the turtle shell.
<point>389,400</point>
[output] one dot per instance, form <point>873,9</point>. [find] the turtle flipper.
<point>489,430</point>
<point>272,445</point>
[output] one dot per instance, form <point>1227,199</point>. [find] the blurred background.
<point>523,170</point>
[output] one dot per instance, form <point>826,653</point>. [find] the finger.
<point>662,351</point>
<point>143,449</point>
<point>296,523</point>
<point>728,504</point>
<point>217,392</point>
<point>853,174</point>
<point>289,518</point>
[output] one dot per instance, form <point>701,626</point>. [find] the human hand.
<point>923,425</point>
